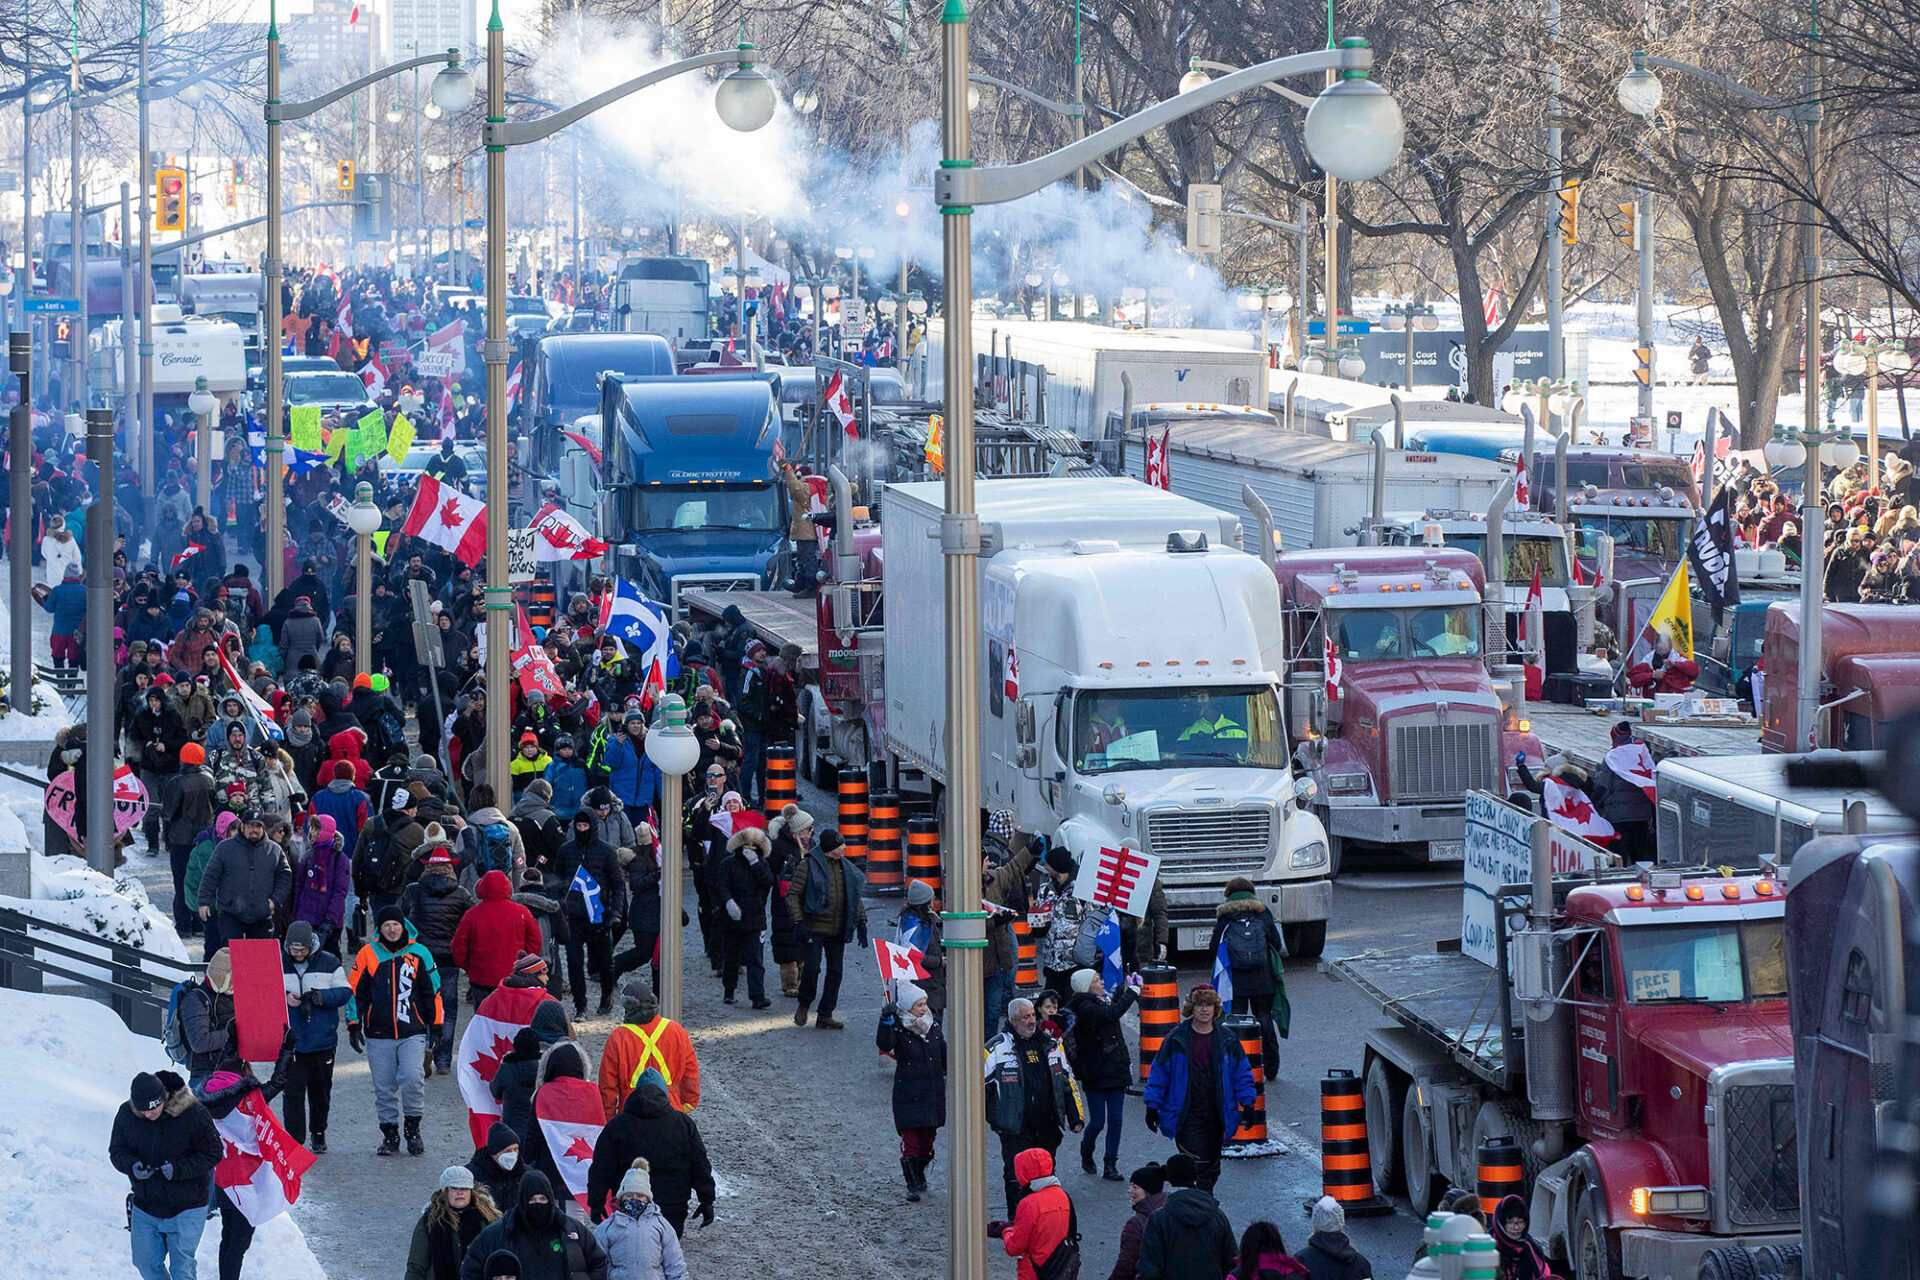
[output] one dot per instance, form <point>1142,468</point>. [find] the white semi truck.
<point>1132,655</point>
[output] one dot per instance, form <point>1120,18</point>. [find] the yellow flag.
<point>936,444</point>
<point>399,438</point>
<point>1671,617</point>
<point>304,423</point>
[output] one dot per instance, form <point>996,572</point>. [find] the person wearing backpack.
<point>489,841</point>
<point>200,1018</point>
<point>384,851</point>
<point>1045,1232</point>
<point>434,905</point>
<point>316,992</point>
<point>1099,1058</point>
<point>1256,955</point>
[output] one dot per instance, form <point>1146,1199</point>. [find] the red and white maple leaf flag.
<point>1522,490</point>
<point>374,374</point>
<point>484,1044</point>
<point>1634,763</point>
<point>1699,465</point>
<point>192,549</point>
<point>513,384</point>
<point>897,961</point>
<point>836,399</point>
<point>1533,639</point>
<point>1333,666</point>
<point>570,1119</point>
<point>1011,677</point>
<point>1570,810</point>
<point>343,318</point>
<point>1158,473</point>
<point>448,338</point>
<point>260,1164</point>
<point>449,519</point>
<point>558,536</point>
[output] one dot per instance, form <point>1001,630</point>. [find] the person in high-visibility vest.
<point>645,1039</point>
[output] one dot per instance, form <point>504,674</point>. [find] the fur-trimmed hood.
<point>750,836</point>
<point>1240,904</point>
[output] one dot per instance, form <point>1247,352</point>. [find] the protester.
<point>1031,1095</point>
<point>1263,1255</point>
<point>167,1145</point>
<point>1520,1258</point>
<point>1199,1085</point>
<point>434,905</point>
<point>395,1007</point>
<point>1044,1223</point>
<point>491,936</point>
<point>496,1165</point>
<point>640,1243</point>
<point>246,876</point>
<point>909,1033</point>
<point>1097,1050</point>
<point>824,897</point>
<point>1329,1255</point>
<point>537,1239</point>
<point>747,882</point>
<point>316,992</point>
<point>649,1127</point>
<point>1146,1192</point>
<point>1189,1238</point>
<point>1256,956</point>
<point>457,1213</point>
<point>646,1040</point>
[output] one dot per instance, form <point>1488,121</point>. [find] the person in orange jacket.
<point>1044,1222</point>
<point>645,1039</point>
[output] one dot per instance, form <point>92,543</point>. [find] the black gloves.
<point>1249,1116</point>
<point>705,1214</point>
<point>357,1039</point>
<point>1153,1120</point>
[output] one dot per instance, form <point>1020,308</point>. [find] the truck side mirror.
<point>1023,725</point>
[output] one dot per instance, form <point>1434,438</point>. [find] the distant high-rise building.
<point>414,27</point>
<point>337,39</point>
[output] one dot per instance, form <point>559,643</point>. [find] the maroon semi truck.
<point>1869,678</point>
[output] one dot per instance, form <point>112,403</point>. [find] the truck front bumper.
<point>1398,823</point>
<point>1675,1255</point>
<point>1290,901</point>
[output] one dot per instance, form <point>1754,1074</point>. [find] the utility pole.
<point>100,683</point>
<point>20,531</point>
<point>129,394</point>
<point>145,183</point>
<point>1556,355</point>
<point>78,391</point>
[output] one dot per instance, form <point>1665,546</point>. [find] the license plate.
<point>1192,939</point>
<point>1446,851</point>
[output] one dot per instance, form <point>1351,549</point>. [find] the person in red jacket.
<point>492,935</point>
<point>1663,671</point>
<point>1044,1222</point>
<point>347,745</point>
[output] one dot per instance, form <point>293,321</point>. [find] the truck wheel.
<point>1384,1093</point>
<point>1336,850</point>
<point>1306,940</point>
<point>1778,1260</point>
<point>1594,1250</point>
<point>1729,1262</point>
<point>1424,1180</point>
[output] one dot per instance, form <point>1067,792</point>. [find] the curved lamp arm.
<point>1293,228</point>
<point>514,133</point>
<point>1291,95</point>
<point>1800,111</point>
<point>969,186</point>
<point>161,250</point>
<point>1067,109</point>
<point>281,112</point>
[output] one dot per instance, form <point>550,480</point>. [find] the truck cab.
<point>1733,644</point>
<point>1644,501</point>
<point>664,296</point>
<point>1870,677</point>
<point>1531,542</point>
<point>690,498</point>
<point>1390,703</point>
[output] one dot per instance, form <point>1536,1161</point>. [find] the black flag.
<point>1711,553</point>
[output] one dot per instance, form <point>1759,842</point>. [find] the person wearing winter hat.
<point>646,1039</point>
<point>1329,1254</point>
<point>1043,1224</point>
<point>561,1065</point>
<point>500,1265</point>
<point>640,1243</point>
<point>496,1165</point>
<point>648,1125</point>
<point>166,1143</point>
<point>1190,1238</point>
<point>395,1006</point>
<point>824,897</point>
<point>1102,1062</point>
<point>535,1239</point>
<point>458,1211</point>
<point>1146,1192</point>
<point>586,859</point>
<point>908,1031</point>
<point>434,905</point>
<point>518,1075</point>
<point>186,809</point>
<point>1054,901</point>
<point>920,929</point>
<point>316,992</point>
<point>745,883</point>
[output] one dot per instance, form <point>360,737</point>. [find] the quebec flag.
<point>589,890</point>
<point>643,626</point>
<point>1112,972</point>
<point>1223,973</point>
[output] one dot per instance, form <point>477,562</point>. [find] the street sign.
<point>474,224</point>
<point>1318,328</point>
<point>521,550</point>
<point>50,306</point>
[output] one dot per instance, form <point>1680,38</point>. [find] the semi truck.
<point>1737,811</point>
<point>1342,409</point>
<point>666,296</point>
<point>1130,693</point>
<point>1869,676</point>
<point>1626,1031</point>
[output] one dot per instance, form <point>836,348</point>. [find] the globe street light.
<point>674,751</point>
<point>203,406</point>
<point>1639,91</point>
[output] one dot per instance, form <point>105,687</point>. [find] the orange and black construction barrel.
<point>1500,1172</point>
<point>541,608</point>
<point>853,815</point>
<point>783,784</point>
<point>1159,1010</point>
<point>1026,973</point>
<point>1245,1029</point>
<point>923,853</point>
<point>1345,1172</point>
<point>884,864</point>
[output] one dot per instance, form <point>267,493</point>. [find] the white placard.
<point>1121,878</point>
<point>434,364</point>
<point>1499,852</point>
<point>521,551</point>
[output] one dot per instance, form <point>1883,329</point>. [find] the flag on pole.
<point>1334,670</point>
<point>1710,552</point>
<point>484,1044</point>
<point>448,338</point>
<point>897,961</point>
<point>513,384</point>
<point>448,519</point>
<point>1672,617</point>
<point>1112,971</point>
<point>1159,475</point>
<point>1570,810</point>
<point>628,615</point>
<point>1533,639</point>
<point>1699,465</point>
<point>193,549</point>
<point>260,1164</point>
<point>836,399</point>
<point>343,318</point>
<point>558,536</point>
<point>1522,490</point>
<point>374,374</point>
<point>1223,972</point>
<point>257,708</point>
<point>570,1118</point>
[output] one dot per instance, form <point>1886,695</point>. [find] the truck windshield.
<point>328,388</point>
<point>708,506</point>
<point>1176,729</point>
<point>1702,962</point>
<point>1385,635</point>
<point>1652,536</point>
<point>1524,555</point>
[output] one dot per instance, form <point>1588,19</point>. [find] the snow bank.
<point>68,1062</point>
<point>45,726</point>
<point>66,891</point>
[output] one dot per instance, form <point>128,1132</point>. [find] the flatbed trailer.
<point>1584,736</point>
<point>1458,1004</point>
<point>776,617</point>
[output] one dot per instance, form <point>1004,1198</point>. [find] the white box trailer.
<point>1084,363</point>
<point>1129,688</point>
<point>1342,409</point>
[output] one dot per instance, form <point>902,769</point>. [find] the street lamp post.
<point>1353,131</point>
<point>363,517</point>
<point>203,406</point>
<point>1410,316</point>
<point>1263,298</point>
<point>1870,358</point>
<point>101,733</point>
<point>1811,449</point>
<point>745,101</point>
<point>674,751</point>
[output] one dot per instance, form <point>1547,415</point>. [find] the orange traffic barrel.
<point>884,865</point>
<point>923,853</point>
<point>1246,1029</point>
<point>783,784</point>
<point>1345,1171</point>
<point>853,815</point>
<point>1159,1010</point>
<point>542,608</point>
<point>1026,974</point>
<point>1500,1172</point>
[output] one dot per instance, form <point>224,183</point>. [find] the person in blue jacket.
<point>633,779</point>
<point>68,605</point>
<point>568,774</point>
<point>316,992</point>
<point>1200,1084</point>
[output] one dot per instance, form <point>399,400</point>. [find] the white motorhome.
<point>185,349</point>
<point>1133,655</point>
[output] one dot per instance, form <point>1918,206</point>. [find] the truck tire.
<point>1384,1093</point>
<point>1336,849</point>
<point>1779,1260</point>
<point>1425,1183</point>
<point>1729,1262</point>
<point>1594,1251</point>
<point>1306,940</point>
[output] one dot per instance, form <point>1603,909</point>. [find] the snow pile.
<point>68,1062</point>
<point>67,892</point>
<point>43,723</point>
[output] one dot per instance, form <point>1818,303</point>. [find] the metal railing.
<point>136,983</point>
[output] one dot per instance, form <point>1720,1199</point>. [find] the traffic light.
<point>346,175</point>
<point>170,200</point>
<point>1643,365</point>
<point>239,172</point>
<point>1629,233</point>
<point>1570,211</point>
<point>63,339</point>
<point>232,196</point>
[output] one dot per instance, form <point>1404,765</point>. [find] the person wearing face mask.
<point>455,1216</point>
<point>640,1243</point>
<point>596,896</point>
<point>908,1032</point>
<point>496,1165</point>
<point>544,1242</point>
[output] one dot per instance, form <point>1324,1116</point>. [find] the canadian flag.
<point>1570,810</point>
<point>1699,465</point>
<point>1634,763</point>
<point>1522,490</point>
<point>897,961</point>
<point>1334,667</point>
<point>1495,308</point>
<point>448,339</point>
<point>192,549</point>
<point>558,536</point>
<point>513,384</point>
<point>836,399</point>
<point>568,1112</point>
<point>1158,473</point>
<point>1533,638</point>
<point>374,374</point>
<point>260,1165</point>
<point>343,318</point>
<point>485,1043</point>
<point>448,519</point>
<point>1012,674</point>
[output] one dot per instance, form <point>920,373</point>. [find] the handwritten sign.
<point>399,438</point>
<point>1499,851</point>
<point>434,364</point>
<point>129,802</point>
<point>304,432</point>
<point>1121,878</point>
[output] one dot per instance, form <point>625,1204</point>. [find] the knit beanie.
<point>1150,1178</point>
<point>636,1182</point>
<point>919,893</point>
<point>1328,1217</point>
<point>1082,981</point>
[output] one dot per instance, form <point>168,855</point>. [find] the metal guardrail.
<point>136,984</point>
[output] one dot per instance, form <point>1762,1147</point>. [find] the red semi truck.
<point>1870,675</point>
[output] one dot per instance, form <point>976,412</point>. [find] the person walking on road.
<point>434,905</point>
<point>1043,1225</point>
<point>316,992</point>
<point>395,1006</point>
<point>596,896</point>
<point>645,1040</point>
<point>640,1243</point>
<point>244,878</point>
<point>492,935</point>
<point>648,1127</point>
<point>539,1240</point>
<point>1199,1084</point>
<point>1003,895</point>
<point>206,1018</point>
<point>1146,1192</point>
<point>457,1213</point>
<point>908,1031</point>
<point>496,1165</point>
<point>1098,1052</point>
<point>1032,1096</point>
<point>824,896</point>
<point>1189,1238</point>
<point>746,882</point>
<point>167,1145</point>
<point>1329,1255</point>
<point>1256,956</point>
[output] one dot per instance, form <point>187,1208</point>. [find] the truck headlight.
<point>1670,1202</point>
<point>1347,783</point>
<point>1308,856</point>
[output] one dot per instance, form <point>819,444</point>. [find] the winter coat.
<point>919,1071</point>
<point>384,852</point>
<point>146,726</point>
<point>649,1126</point>
<point>1012,1109</point>
<point>183,1136</point>
<point>67,602</point>
<point>346,745</point>
<point>437,1251</point>
<point>1044,1219</point>
<point>1001,885</point>
<point>641,1247</point>
<point>1331,1256</point>
<point>472,844</point>
<point>604,866</point>
<point>301,635</point>
<point>502,1184</point>
<point>494,933</point>
<point>57,551</point>
<point>920,930</point>
<point>321,988</point>
<point>787,936</point>
<point>1254,980</point>
<point>1065,915</point>
<point>1098,1043</point>
<point>1189,1239</point>
<point>396,992</point>
<point>434,905</point>
<point>825,903</point>
<point>347,805</point>
<point>643,889</point>
<point>561,1250</point>
<point>1619,799</point>
<point>206,1019</point>
<point>244,879</point>
<point>1126,1262</point>
<point>1166,1090</point>
<point>322,881</point>
<point>197,860</point>
<point>746,884</point>
<point>188,804</point>
<point>631,776</point>
<point>513,1085</point>
<point>625,1056</point>
<point>537,828</point>
<point>569,779</point>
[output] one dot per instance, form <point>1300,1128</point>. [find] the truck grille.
<point>1442,761</point>
<point>1230,841</point>
<point>1762,1159</point>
